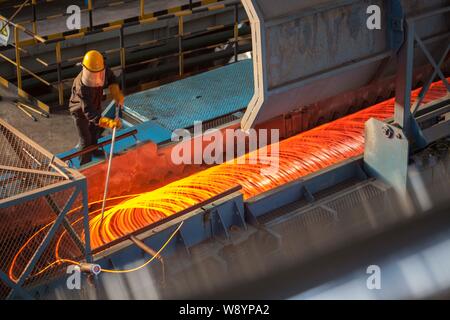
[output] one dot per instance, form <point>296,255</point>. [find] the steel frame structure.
<point>297,73</point>
<point>405,111</point>
<point>389,146</point>
<point>72,179</point>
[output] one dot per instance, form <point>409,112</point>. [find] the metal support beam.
<point>222,223</point>
<point>122,58</point>
<point>90,12</point>
<point>87,231</point>
<point>26,170</point>
<point>34,15</point>
<point>395,24</point>
<point>73,235</point>
<point>58,66</point>
<point>404,111</point>
<point>433,63</point>
<point>404,83</point>
<point>19,291</point>
<point>240,215</point>
<point>17,47</point>
<point>427,85</point>
<point>180,45</point>
<point>142,8</point>
<point>388,147</point>
<point>236,32</point>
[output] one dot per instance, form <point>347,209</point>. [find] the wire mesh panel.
<point>308,230</point>
<point>42,210</point>
<point>22,167</point>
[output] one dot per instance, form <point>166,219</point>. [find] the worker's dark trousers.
<point>88,132</point>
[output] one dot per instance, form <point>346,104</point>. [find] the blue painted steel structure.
<point>405,110</point>
<point>213,220</point>
<point>304,188</point>
<point>416,126</point>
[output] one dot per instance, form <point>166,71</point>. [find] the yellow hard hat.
<point>93,61</point>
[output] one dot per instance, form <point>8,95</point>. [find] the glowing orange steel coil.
<point>299,156</point>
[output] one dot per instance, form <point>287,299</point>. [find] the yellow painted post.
<point>33,6</point>
<point>91,19</point>
<point>236,32</point>
<point>122,57</point>
<point>180,45</point>
<point>142,9</point>
<point>60,83</point>
<point>18,66</point>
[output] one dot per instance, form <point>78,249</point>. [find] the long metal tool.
<point>20,107</point>
<point>44,114</point>
<point>111,152</point>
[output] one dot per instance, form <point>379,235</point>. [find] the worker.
<point>85,102</point>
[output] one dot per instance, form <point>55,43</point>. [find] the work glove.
<point>108,123</point>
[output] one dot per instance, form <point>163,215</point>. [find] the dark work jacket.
<point>88,100</point>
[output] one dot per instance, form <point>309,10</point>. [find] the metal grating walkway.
<point>199,98</point>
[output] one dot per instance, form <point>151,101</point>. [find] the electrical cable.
<point>158,253</point>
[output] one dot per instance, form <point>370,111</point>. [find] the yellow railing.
<point>19,45</point>
<point>17,28</point>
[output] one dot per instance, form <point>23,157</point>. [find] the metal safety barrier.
<point>42,202</point>
<point>17,28</point>
<point>90,8</point>
<point>178,13</point>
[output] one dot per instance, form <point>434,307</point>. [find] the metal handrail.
<point>23,29</point>
<point>122,49</point>
<point>17,63</point>
<point>99,145</point>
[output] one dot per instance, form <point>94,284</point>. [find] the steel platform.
<point>199,98</point>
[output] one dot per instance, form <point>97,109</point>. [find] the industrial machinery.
<point>363,118</point>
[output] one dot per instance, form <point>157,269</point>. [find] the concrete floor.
<point>56,134</point>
